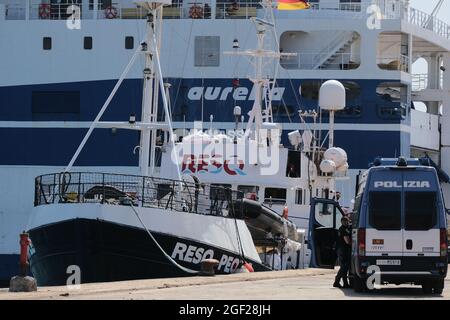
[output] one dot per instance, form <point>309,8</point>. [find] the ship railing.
<point>421,82</point>
<point>350,6</point>
<point>239,9</point>
<point>139,191</point>
<point>13,11</point>
<point>394,63</point>
<point>429,22</point>
<point>309,61</point>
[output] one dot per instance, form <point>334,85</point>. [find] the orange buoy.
<point>285,212</point>
<point>249,267</point>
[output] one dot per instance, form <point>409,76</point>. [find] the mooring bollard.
<point>24,244</point>
<point>23,283</point>
<point>208,266</point>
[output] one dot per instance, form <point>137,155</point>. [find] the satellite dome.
<point>337,155</point>
<point>332,96</point>
<point>327,166</point>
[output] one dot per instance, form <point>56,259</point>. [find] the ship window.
<point>129,43</point>
<point>249,192</point>
<point>392,112</point>
<point>207,51</point>
<point>275,195</point>
<point>393,92</point>
<point>293,168</point>
<point>55,105</point>
<point>87,43</point>
<point>310,90</point>
<point>300,196</point>
<point>218,191</point>
<point>347,112</point>
<point>47,43</point>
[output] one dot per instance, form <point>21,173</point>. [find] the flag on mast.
<point>293,5</point>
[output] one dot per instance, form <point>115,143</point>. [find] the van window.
<point>420,210</point>
<point>324,214</point>
<point>385,210</point>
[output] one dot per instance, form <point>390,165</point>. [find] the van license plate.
<point>388,263</point>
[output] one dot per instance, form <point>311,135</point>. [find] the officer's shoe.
<point>347,285</point>
<point>337,285</point>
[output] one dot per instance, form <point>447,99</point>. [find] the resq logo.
<point>214,164</point>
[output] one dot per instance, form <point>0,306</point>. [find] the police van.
<point>399,227</point>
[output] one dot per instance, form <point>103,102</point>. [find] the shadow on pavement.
<point>391,292</point>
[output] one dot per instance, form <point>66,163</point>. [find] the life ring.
<point>196,12</point>
<point>110,12</point>
<point>44,10</point>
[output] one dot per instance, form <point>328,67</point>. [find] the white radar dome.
<point>332,96</point>
<point>222,138</point>
<point>295,138</point>
<point>337,155</point>
<point>198,137</point>
<point>343,168</point>
<point>327,166</point>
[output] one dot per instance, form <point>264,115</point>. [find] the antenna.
<point>260,58</point>
<point>153,79</point>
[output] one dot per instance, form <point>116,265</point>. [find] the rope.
<point>240,247</point>
<point>187,270</point>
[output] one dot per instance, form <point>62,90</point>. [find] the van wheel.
<point>359,285</point>
<point>438,287</point>
<point>427,288</point>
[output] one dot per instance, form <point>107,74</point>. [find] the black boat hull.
<point>105,251</point>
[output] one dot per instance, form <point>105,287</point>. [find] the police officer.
<point>344,250</point>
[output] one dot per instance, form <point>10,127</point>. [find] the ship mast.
<point>153,83</point>
<point>260,58</point>
<point>149,100</point>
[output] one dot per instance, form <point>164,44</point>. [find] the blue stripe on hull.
<point>16,101</point>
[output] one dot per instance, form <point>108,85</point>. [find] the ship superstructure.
<point>61,62</point>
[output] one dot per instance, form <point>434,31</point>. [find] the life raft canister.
<point>196,12</point>
<point>44,10</point>
<point>110,12</point>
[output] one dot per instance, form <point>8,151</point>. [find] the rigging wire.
<point>184,62</point>
<point>176,264</point>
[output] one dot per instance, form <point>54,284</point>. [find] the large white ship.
<point>59,64</point>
